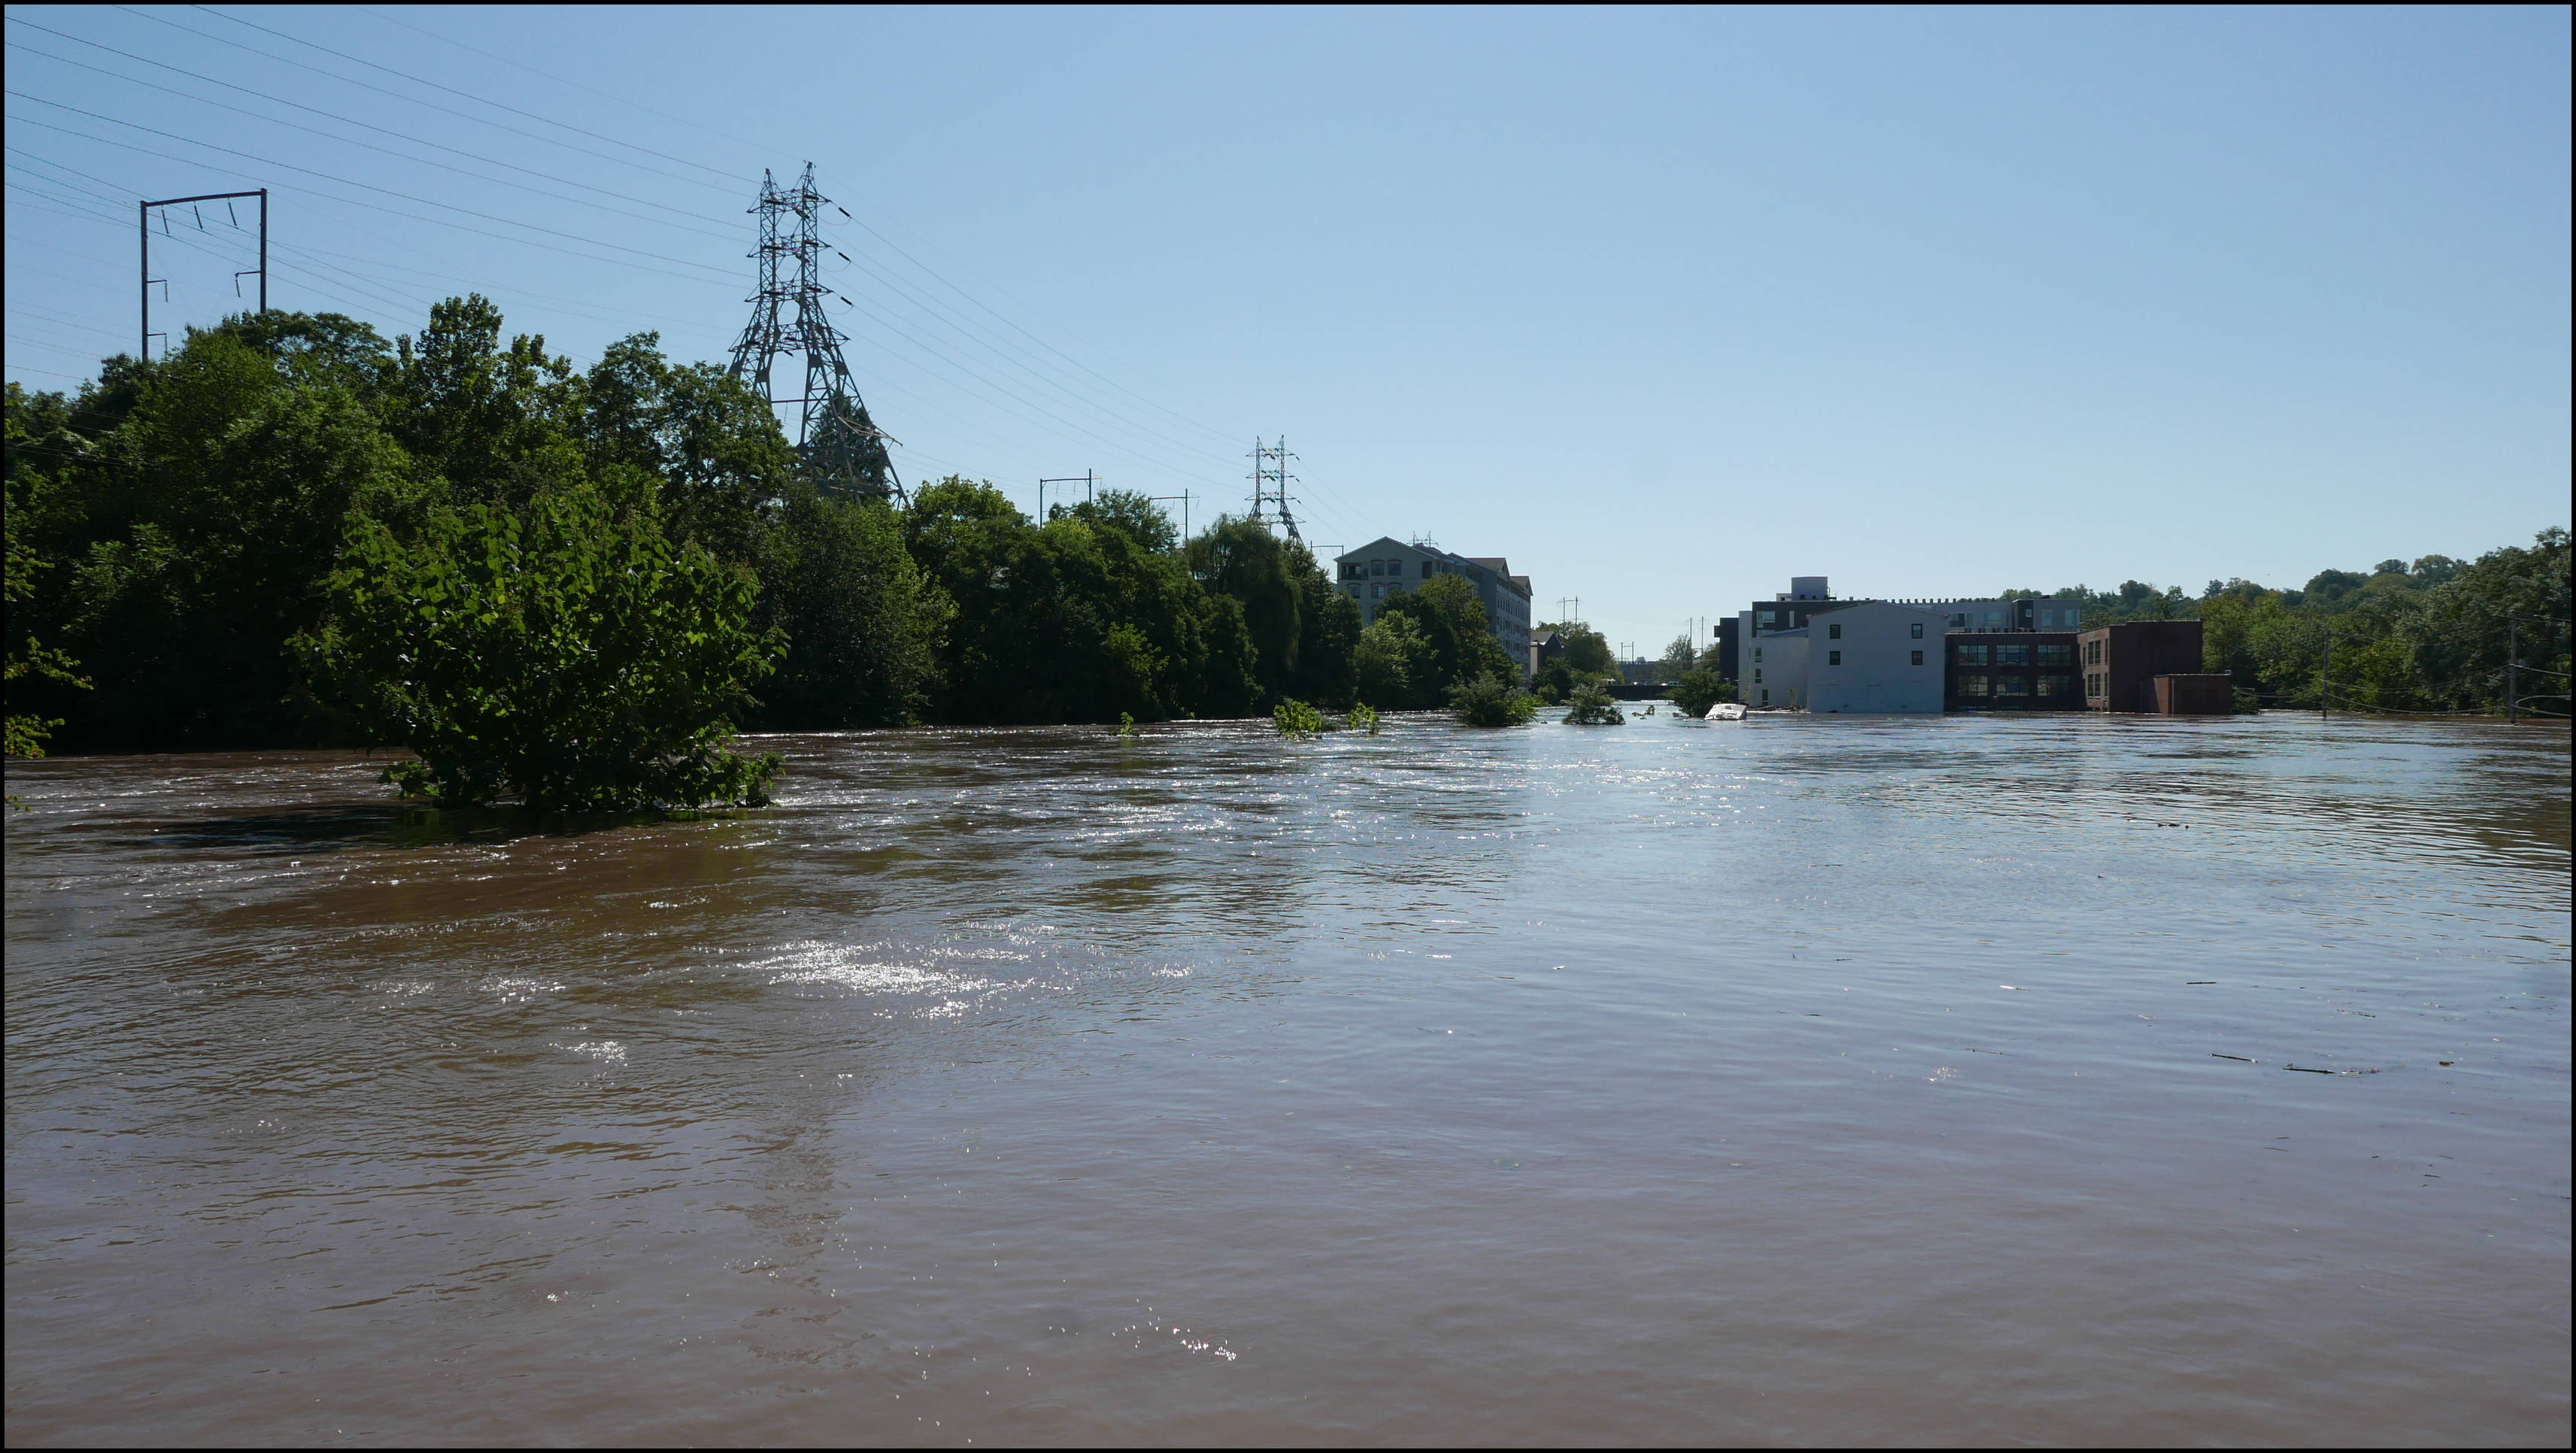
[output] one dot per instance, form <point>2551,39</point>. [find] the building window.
<point>1976,685</point>
<point>2012,655</point>
<point>1757,653</point>
<point>1766,696</point>
<point>1972,655</point>
<point>1994,618</point>
<point>1959,621</point>
<point>1426,570</point>
<point>1918,658</point>
<point>2057,686</point>
<point>1767,618</point>
<point>2012,686</point>
<point>1918,630</point>
<point>2056,655</point>
<point>1834,632</point>
<point>1757,676</point>
<point>1833,658</point>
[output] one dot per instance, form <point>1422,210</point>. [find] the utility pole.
<point>1184,498</point>
<point>143,221</point>
<point>1270,480</point>
<point>1084,479</point>
<point>1570,608</point>
<point>2512,666</point>
<point>843,450</point>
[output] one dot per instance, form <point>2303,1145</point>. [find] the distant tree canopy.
<point>182,530</point>
<point>2431,635</point>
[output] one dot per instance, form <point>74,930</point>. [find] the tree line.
<point>2430,635</point>
<point>288,531</point>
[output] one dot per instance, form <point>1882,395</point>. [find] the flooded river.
<point>1806,1081</point>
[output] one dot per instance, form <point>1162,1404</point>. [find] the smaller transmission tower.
<point>1270,480</point>
<point>843,450</point>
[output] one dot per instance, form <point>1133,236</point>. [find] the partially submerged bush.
<point>1490,701</point>
<point>1593,707</point>
<point>561,656</point>
<point>1297,721</point>
<point>1364,718</point>
<point>1699,689</point>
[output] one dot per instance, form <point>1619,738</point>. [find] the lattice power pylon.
<point>1270,481</point>
<point>843,450</point>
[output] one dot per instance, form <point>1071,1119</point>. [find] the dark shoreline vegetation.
<point>570,589</point>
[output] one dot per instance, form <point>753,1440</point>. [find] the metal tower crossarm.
<point>843,451</point>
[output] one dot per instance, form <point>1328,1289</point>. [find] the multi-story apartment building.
<point>1808,651</point>
<point>1852,656</point>
<point>1385,566</point>
<point>1808,594</point>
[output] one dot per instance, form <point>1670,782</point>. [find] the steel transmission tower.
<point>1270,479</point>
<point>843,449</point>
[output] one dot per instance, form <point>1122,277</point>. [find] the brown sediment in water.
<point>1642,1085</point>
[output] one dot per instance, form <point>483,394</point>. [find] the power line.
<point>349,121</point>
<point>898,250</point>
<point>451,90</point>
<point>734,188</point>
<point>349,182</point>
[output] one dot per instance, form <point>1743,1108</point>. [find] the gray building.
<point>1386,565</point>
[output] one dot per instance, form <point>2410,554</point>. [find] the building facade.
<point>2121,663</point>
<point>2011,671</point>
<point>1778,669</point>
<point>1386,566</point>
<point>1804,650</point>
<point>1874,656</point>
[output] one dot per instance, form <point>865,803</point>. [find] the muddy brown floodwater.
<point>1805,1081</point>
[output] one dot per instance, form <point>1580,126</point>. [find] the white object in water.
<point>1726,711</point>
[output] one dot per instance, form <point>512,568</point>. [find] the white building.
<point>1775,670</point>
<point>1851,656</point>
<point>1385,566</point>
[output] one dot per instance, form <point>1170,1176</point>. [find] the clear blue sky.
<point>1663,305</point>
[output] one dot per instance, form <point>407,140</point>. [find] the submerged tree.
<point>560,656</point>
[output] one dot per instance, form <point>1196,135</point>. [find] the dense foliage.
<point>560,656</point>
<point>1700,688</point>
<point>568,587</point>
<point>1592,706</point>
<point>1584,655</point>
<point>2433,635</point>
<point>1491,701</point>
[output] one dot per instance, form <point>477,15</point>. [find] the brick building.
<point>2121,664</point>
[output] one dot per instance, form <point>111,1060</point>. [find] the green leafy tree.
<point>1593,706</point>
<point>1491,701</point>
<point>1242,560</point>
<point>27,658</point>
<point>1125,510</point>
<point>1700,688</point>
<point>1297,721</point>
<point>1452,618</point>
<point>1393,664</point>
<point>863,624</point>
<point>1073,620</point>
<point>559,655</point>
<point>1587,651</point>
